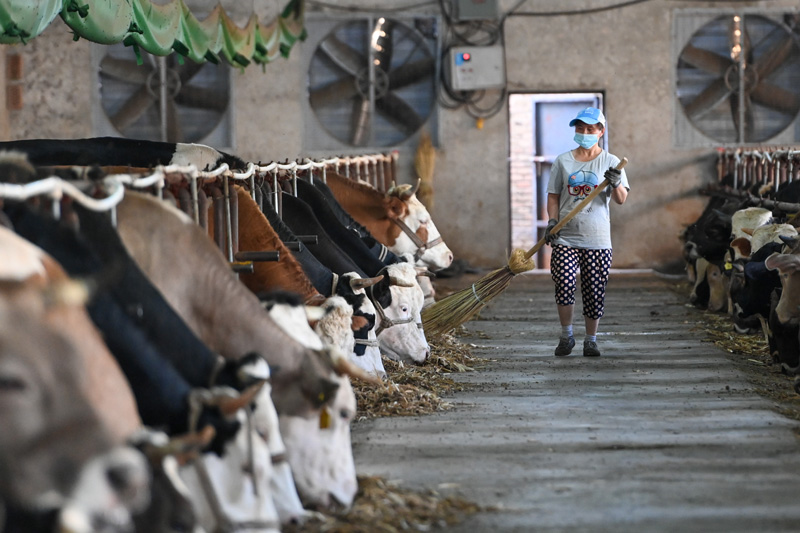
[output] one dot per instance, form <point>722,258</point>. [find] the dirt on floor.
<point>749,354</point>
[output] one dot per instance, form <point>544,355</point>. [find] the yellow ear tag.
<point>324,419</point>
<point>728,266</point>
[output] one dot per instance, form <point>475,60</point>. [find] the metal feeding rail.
<point>377,170</point>
<point>765,166</point>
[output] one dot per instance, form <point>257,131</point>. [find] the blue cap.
<point>590,115</point>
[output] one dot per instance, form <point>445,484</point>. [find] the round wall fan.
<point>162,100</point>
<point>738,78</point>
<point>371,82</point>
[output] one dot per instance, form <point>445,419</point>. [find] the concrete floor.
<point>661,433</point>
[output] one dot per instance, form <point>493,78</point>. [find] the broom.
<point>424,162</point>
<point>452,311</point>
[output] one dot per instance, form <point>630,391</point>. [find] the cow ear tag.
<point>324,419</point>
<point>728,265</point>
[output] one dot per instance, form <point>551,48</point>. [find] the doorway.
<point>538,132</point>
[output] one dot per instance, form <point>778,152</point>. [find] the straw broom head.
<point>424,163</point>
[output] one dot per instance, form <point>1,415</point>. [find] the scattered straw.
<point>380,506</point>
<point>412,390</point>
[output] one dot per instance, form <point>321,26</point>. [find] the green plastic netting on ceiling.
<point>159,29</point>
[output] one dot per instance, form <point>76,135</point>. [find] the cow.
<point>395,218</point>
<point>65,404</point>
<point>179,259</point>
<point>123,154</point>
<point>255,235</point>
<point>400,333</point>
<point>267,229</point>
<point>161,391</point>
<point>743,223</point>
<point>323,466</point>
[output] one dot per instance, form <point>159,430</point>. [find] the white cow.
<point>319,449</point>
<point>404,340</point>
<point>743,223</point>
<point>426,245</point>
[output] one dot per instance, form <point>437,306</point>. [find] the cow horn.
<point>228,406</point>
<point>394,280</point>
<point>71,292</point>
<point>343,366</point>
<point>423,271</point>
<point>363,283</point>
<point>416,186</point>
<point>748,231</point>
<point>314,313</point>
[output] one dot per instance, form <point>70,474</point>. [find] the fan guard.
<point>372,82</point>
<point>738,78</point>
<point>195,96</point>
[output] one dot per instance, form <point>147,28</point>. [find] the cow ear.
<point>396,208</point>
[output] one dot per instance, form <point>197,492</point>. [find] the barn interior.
<point>495,130</point>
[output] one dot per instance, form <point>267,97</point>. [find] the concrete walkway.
<point>661,433</point>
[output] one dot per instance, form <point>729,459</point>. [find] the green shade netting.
<point>158,29</point>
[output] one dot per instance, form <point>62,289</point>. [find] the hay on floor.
<point>381,506</point>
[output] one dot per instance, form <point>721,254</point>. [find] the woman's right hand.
<point>549,237</point>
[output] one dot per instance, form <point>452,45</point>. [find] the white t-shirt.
<point>573,181</point>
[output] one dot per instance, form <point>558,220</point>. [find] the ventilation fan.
<point>371,81</point>
<point>163,99</point>
<point>738,78</point>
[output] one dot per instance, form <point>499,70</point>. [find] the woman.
<point>585,241</point>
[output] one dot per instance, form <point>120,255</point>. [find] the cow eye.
<point>344,413</point>
<point>404,309</point>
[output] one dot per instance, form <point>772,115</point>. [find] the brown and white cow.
<point>65,405</point>
<point>395,218</point>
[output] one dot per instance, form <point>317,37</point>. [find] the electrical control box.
<point>475,67</point>
<point>476,10</point>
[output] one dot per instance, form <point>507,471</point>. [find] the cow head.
<point>365,353</point>
<point>320,452</point>
<point>788,265</point>
<point>405,339</point>
<point>419,237</point>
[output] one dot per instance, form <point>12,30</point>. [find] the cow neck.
<point>366,205</point>
<point>420,243</point>
<point>255,233</point>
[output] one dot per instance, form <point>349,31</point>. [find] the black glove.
<point>548,236</point>
<point>614,177</point>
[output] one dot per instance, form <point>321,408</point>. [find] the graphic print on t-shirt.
<point>581,183</point>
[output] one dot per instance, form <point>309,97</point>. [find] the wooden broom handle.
<point>575,210</point>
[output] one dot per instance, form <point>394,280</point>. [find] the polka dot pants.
<point>594,265</point>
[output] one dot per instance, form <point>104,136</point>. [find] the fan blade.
<point>774,57</point>
<point>132,109</point>
<point>361,122</point>
<point>201,98</point>
<point>707,100</point>
<point>125,70</point>
<point>343,56</point>
<point>706,60</point>
<point>411,73</point>
<point>174,131</point>
<point>776,98</point>
<point>333,93</point>
<point>188,70</point>
<point>749,119</point>
<point>399,112</point>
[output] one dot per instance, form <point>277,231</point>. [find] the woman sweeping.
<point>584,243</point>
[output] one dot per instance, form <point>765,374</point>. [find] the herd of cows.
<point>150,383</point>
<point>744,259</point>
